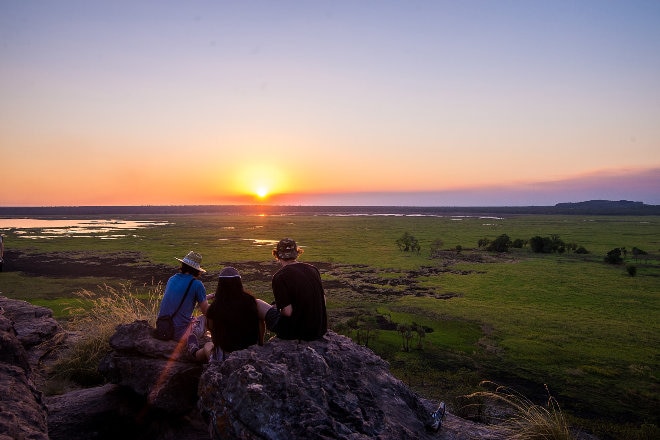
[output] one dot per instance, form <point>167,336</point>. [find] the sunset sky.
<point>360,102</point>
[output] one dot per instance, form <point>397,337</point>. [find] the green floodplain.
<point>586,328</point>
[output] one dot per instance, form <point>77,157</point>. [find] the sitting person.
<point>184,291</point>
<point>232,318</point>
<point>299,311</point>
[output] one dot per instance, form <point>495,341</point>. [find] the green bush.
<point>614,256</point>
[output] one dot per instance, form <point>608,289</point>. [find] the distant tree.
<point>519,243</point>
<point>632,270</point>
<point>408,243</point>
<point>614,256</point>
<point>538,245</point>
<point>547,245</point>
<point>636,252</point>
<point>421,334</point>
<point>557,244</point>
<point>363,326</point>
<point>406,335</point>
<point>458,248</point>
<point>581,250</point>
<point>483,242</point>
<point>500,244</point>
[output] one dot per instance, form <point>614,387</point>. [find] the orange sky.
<point>338,103</point>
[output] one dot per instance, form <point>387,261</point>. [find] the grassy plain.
<point>583,327</point>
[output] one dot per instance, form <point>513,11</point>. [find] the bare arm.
<point>204,306</point>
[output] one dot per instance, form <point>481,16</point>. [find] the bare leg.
<point>204,353</point>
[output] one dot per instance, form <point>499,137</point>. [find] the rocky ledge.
<point>25,333</point>
<point>330,388</point>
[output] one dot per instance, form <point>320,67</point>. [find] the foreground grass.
<point>518,418</point>
<point>95,319</point>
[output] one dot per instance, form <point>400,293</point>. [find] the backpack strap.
<point>184,297</point>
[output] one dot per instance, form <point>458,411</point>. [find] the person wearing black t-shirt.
<point>299,311</point>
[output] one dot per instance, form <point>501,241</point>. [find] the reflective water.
<point>111,229</point>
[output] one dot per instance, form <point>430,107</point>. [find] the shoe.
<point>436,418</point>
<point>193,345</point>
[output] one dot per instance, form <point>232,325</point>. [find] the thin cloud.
<point>625,184</point>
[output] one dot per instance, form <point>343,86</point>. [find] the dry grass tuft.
<point>95,321</point>
<point>521,419</point>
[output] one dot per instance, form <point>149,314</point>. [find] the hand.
<point>210,296</point>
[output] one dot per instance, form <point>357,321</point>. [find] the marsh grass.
<point>94,319</point>
<point>518,418</point>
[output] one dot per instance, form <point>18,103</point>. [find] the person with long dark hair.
<point>232,318</point>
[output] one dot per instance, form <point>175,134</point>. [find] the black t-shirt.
<point>299,285</point>
<point>235,322</point>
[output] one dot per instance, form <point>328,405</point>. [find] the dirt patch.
<point>136,268</point>
<point>123,265</point>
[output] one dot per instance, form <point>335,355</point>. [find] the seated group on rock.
<point>237,319</point>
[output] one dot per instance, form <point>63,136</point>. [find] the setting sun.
<point>259,181</point>
<point>262,192</point>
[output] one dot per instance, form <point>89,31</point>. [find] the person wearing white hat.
<point>183,292</point>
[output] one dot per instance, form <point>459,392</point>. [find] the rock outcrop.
<point>330,388</point>
<point>23,328</point>
<point>158,371</point>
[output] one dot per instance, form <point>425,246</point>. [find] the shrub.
<point>500,244</point>
<point>547,245</point>
<point>632,270</point>
<point>614,256</point>
<point>408,243</point>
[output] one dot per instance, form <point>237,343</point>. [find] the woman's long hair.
<point>235,319</point>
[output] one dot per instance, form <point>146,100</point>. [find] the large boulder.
<point>110,412</point>
<point>33,324</point>
<point>159,371</point>
<point>331,388</point>
<point>23,414</point>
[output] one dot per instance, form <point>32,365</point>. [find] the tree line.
<point>541,245</point>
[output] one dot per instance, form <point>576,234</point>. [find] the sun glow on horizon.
<point>259,181</point>
<point>262,192</point>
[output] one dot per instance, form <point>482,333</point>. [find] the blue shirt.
<point>174,291</point>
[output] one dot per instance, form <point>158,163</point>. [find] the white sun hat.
<point>194,260</point>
